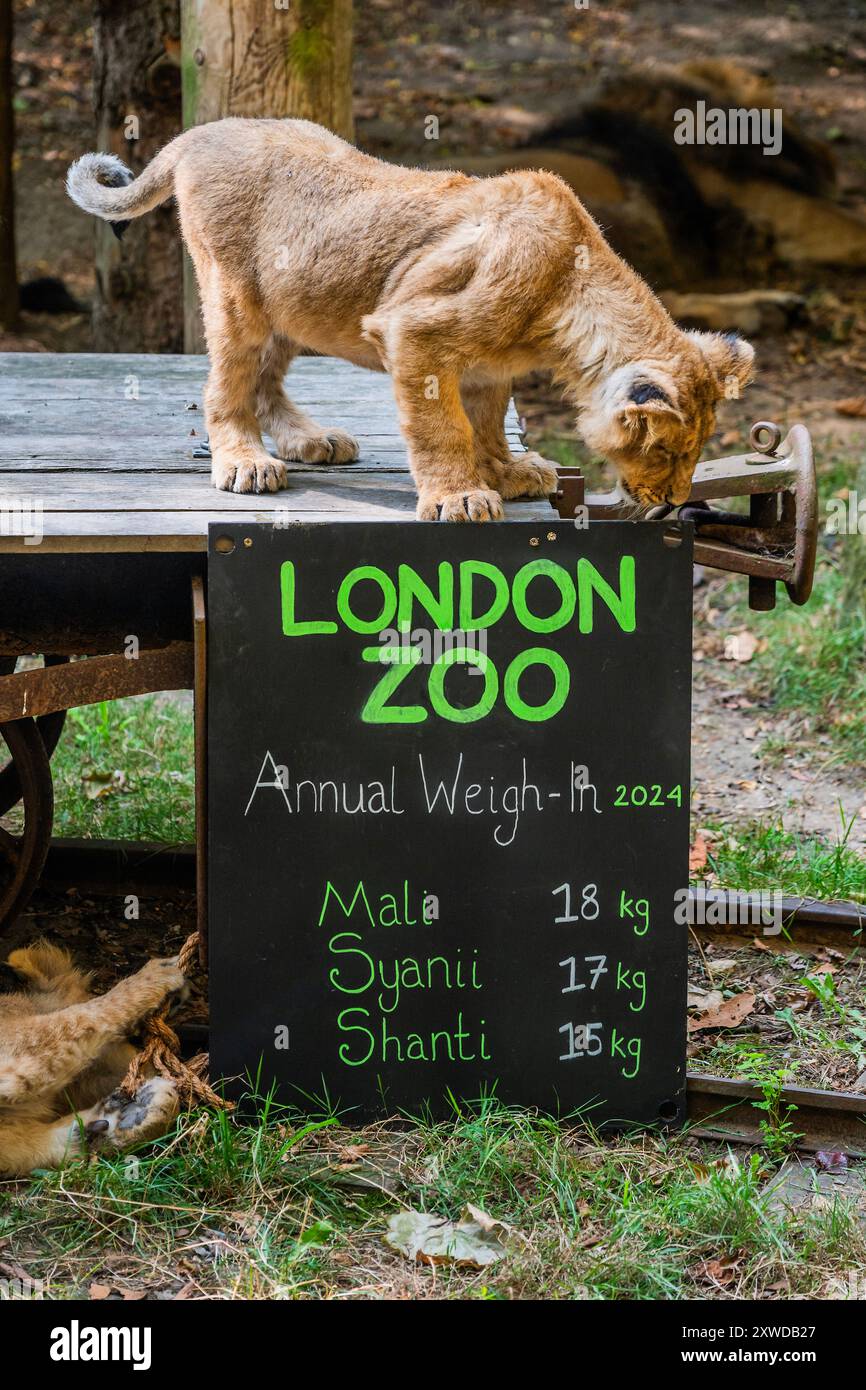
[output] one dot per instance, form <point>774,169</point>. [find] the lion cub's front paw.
<point>162,978</point>
<point>256,472</point>
<point>475,504</point>
<point>119,1122</point>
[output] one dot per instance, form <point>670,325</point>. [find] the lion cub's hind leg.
<point>512,475</point>
<point>235,336</point>
<point>296,435</point>
<point>115,1123</point>
<point>119,1122</point>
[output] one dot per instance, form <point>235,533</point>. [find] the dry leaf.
<point>740,646</point>
<point>473,1242</point>
<point>352,1151</point>
<point>824,968</point>
<point>835,1162</point>
<point>727,1015</point>
<point>698,854</point>
<point>98,784</point>
<point>704,999</point>
<point>729,1166</point>
<point>721,967</point>
<point>853,406</point>
<point>718,1272</point>
<point>100,1291</point>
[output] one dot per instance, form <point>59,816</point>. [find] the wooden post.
<point>8,270</point>
<point>138,306</point>
<point>256,58</point>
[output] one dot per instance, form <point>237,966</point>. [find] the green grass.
<point>814,662</point>
<point>815,659</point>
<point>759,855</point>
<point>124,770</point>
<point>261,1211</point>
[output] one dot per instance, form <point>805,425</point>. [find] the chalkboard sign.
<point>448,800</point>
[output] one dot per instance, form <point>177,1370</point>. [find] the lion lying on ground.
<point>454,285</point>
<point>62,1055</point>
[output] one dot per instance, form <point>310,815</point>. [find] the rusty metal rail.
<point>722,911</point>
<point>720,1107</point>
<point>48,689</point>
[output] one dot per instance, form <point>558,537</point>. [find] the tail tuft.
<point>39,965</point>
<point>102,184</point>
<point>89,180</point>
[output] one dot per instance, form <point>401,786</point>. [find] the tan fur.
<point>452,284</point>
<point>63,1053</point>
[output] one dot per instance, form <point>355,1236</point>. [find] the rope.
<point>161,1052</point>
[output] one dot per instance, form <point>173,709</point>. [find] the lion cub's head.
<point>651,419</point>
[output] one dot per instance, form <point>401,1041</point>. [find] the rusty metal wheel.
<point>50,727</point>
<point>22,855</point>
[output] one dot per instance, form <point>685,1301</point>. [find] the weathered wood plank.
<point>167,532</point>
<point>145,492</point>
<point>151,454</point>
<point>93,365</point>
<point>117,474</point>
<point>64,411</point>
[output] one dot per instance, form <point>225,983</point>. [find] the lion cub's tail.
<point>42,965</point>
<point>102,184</point>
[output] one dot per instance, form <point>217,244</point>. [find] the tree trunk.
<point>8,273</point>
<point>136,80</point>
<point>249,58</point>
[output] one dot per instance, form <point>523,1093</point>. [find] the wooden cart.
<point>105,503</point>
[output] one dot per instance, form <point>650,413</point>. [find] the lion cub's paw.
<point>164,977</point>
<point>475,504</point>
<point>257,473</point>
<point>119,1122</point>
<point>529,475</point>
<point>330,446</point>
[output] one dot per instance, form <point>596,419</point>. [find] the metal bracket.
<point>775,543</point>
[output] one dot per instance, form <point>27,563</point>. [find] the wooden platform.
<point>103,444</point>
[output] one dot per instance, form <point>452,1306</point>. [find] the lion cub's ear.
<point>729,357</point>
<point>649,411</point>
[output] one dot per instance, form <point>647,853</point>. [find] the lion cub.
<point>63,1053</point>
<point>454,285</point>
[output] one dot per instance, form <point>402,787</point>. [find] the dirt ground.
<point>734,779</point>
